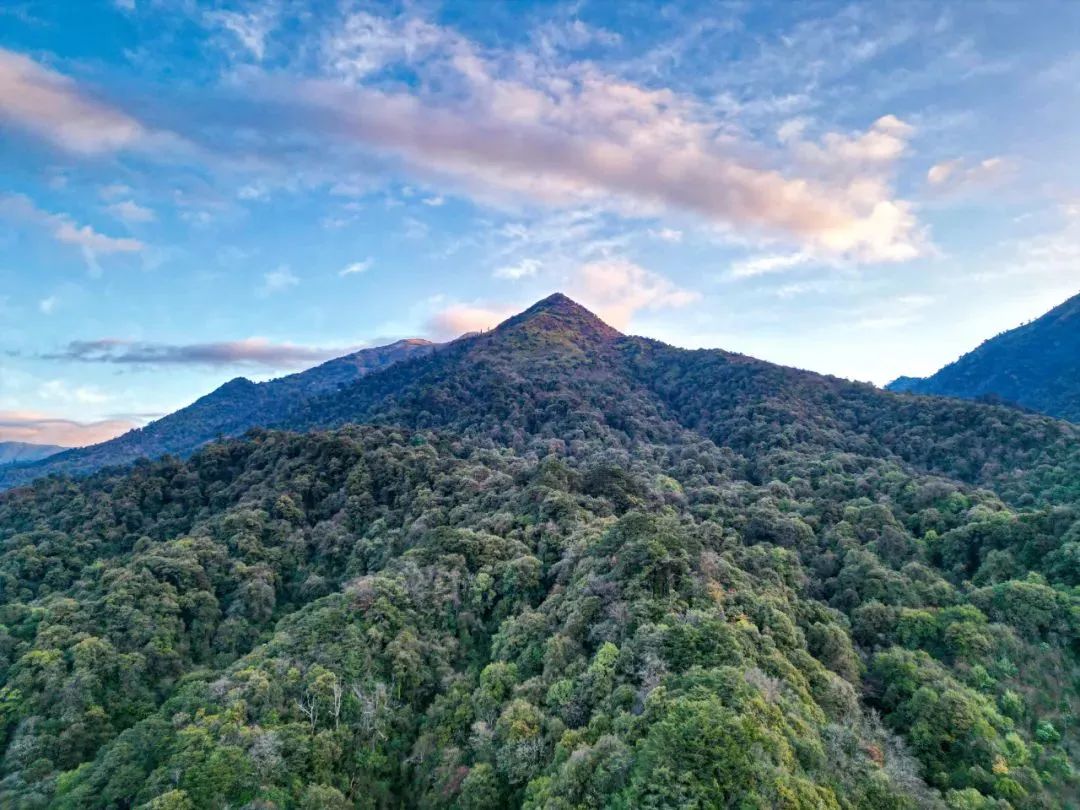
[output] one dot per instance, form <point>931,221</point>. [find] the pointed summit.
<point>559,313</point>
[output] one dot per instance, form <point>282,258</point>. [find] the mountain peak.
<point>560,313</point>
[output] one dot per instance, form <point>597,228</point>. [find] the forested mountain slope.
<point>1036,365</point>
<point>560,568</point>
<point>557,372</point>
<point>235,407</point>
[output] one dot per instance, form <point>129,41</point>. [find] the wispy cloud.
<point>62,391</point>
<point>65,230</point>
<point>51,105</point>
<point>130,211</point>
<point>523,269</point>
<point>958,175</point>
<point>768,263</point>
<point>257,352</point>
<point>355,268</point>
<point>251,28</point>
<point>278,280</point>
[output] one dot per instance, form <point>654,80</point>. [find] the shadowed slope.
<point>1036,366</point>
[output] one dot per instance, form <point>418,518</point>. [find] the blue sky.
<point>196,191</point>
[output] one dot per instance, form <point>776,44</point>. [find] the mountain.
<point>556,371</point>
<point>22,452</point>
<point>554,566</point>
<point>1036,366</point>
<point>230,410</point>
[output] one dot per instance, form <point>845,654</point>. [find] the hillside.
<point>22,452</point>
<point>1036,366</point>
<point>553,566</point>
<point>230,410</point>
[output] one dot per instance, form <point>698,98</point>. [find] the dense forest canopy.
<point>1034,366</point>
<point>551,566</point>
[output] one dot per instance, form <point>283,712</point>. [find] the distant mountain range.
<point>1036,366</point>
<point>230,410</point>
<point>445,384</point>
<point>23,452</point>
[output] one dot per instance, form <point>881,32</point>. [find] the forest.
<point>551,566</point>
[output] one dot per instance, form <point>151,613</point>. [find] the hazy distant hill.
<point>235,407</point>
<point>22,452</point>
<point>1036,365</point>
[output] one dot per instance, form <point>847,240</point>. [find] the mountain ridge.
<point>557,370</point>
<point>12,452</point>
<point>229,410</point>
<point>1036,366</point>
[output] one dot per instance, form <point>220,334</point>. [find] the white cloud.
<point>667,235</point>
<point>617,288</point>
<point>523,269</point>
<point>48,305</point>
<point>769,263</point>
<point>97,243</point>
<point>114,190</point>
<point>130,211</point>
<point>64,230</point>
<point>278,280</point>
<point>356,267</point>
<point>251,29</point>
<point>364,44</point>
<point>955,175</point>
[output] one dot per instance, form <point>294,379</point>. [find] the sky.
<point>191,192</point>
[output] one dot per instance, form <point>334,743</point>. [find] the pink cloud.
<point>460,319</point>
<point>49,104</point>
<point>615,289</point>
<point>572,134</point>
<point>38,428</point>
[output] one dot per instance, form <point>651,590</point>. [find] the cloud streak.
<point>257,352</point>
<point>65,230</point>
<point>48,104</point>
